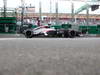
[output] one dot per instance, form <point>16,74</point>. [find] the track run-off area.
<point>50,56</point>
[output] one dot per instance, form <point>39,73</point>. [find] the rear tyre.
<point>72,34</point>
<point>28,34</point>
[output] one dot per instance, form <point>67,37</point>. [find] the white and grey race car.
<point>40,31</point>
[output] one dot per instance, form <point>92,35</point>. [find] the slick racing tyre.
<point>28,34</point>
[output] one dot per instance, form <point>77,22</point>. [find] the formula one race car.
<point>40,31</point>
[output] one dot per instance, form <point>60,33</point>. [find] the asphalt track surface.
<point>50,56</point>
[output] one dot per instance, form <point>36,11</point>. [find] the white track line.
<point>49,39</point>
